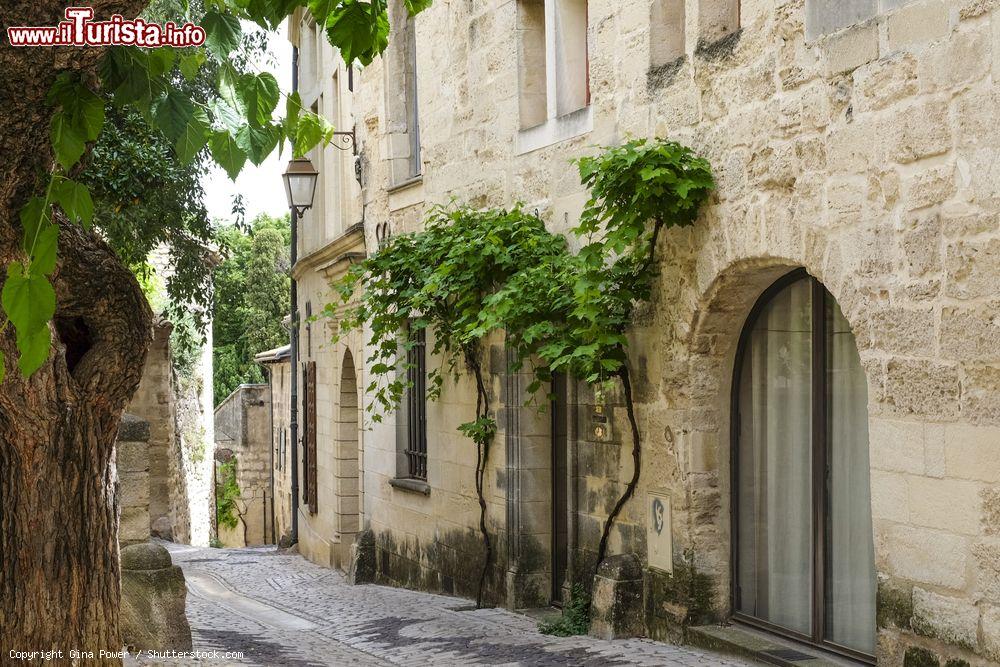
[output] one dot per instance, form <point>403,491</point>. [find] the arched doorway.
<point>348,428</point>
<point>803,553</point>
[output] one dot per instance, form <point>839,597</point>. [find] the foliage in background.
<point>232,121</point>
<point>575,618</point>
<point>251,298</point>
<point>227,492</point>
<point>473,273</point>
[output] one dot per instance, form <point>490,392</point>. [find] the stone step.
<point>761,647</point>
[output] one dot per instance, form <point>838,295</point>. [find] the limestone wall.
<point>132,465</point>
<point>177,451</point>
<point>243,432</point>
<point>864,152</point>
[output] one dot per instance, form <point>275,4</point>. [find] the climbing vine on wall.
<point>227,492</point>
<point>474,273</point>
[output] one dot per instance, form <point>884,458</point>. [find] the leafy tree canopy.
<point>234,120</point>
<point>251,290</point>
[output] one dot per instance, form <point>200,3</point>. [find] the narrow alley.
<point>279,609</point>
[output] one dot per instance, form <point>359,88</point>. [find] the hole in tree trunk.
<point>75,335</point>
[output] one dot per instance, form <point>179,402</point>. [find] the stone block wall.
<point>132,464</point>
<point>243,433</point>
<point>857,141</point>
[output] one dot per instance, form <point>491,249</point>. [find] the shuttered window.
<point>311,440</point>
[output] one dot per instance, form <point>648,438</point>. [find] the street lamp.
<point>300,184</point>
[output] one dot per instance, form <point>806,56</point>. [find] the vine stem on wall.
<point>623,375</point>
<point>482,456</point>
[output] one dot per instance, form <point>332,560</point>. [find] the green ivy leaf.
<point>34,348</point>
<point>193,138</point>
<point>222,33</point>
<point>74,199</point>
<point>67,141</point>
<point>259,94</point>
<point>359,29</point>
<point>311,130</point>
<point>172,113</point>
<point>227,153</point>
<point>28,299</point>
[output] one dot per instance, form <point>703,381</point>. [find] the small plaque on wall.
<point>659,537</point>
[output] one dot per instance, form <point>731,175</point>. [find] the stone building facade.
<point>817,372</point>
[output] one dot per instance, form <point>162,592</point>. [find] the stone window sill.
<point>411,485</point>
<point>408,183</point>
<point>554,130</point>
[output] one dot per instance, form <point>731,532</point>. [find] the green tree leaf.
<point>34,348</point>
<point>222,33</point>
<point>414,7</point>
<point>34,215</point>
<point>359,29</point>
<point>259,94</point>
<point>190,64</point>
<point>258,142</point>
<point>227,153</point>
<point>193,138</point>
<point>172,113</point>
<point>67,141</point>
<point>74,199</point>
<point>28,299</point>
<point>43,260</point>
<point>311,130</point>
<point>293,109</point>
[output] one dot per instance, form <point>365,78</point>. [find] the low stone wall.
<point>133,479</point>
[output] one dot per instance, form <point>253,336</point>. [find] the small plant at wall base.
<point>471,274</point>
<point>575,618</point>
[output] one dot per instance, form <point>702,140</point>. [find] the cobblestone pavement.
<point>279,609</point>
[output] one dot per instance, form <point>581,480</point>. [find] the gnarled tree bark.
<point>59,571</point>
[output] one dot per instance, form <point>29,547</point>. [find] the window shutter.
<point>311,420</point>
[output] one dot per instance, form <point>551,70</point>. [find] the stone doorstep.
<point>746,642</point>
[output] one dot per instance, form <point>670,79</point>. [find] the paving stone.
<point>370,625</point>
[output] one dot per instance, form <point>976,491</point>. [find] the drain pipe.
<point>294,344</point>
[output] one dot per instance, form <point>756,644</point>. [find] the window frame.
<point>415,445</point>
<point>820,453</point>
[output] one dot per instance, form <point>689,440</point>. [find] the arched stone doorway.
<point>346,467</point>
<point>803,553</point>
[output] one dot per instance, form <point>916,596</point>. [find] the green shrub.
<point>575,619</point>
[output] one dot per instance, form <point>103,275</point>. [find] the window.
<point>666,32</point>
<point>309,495</point>
<point>553,59</point>
<point>803,554</point>
<point>415,446</point>
<point>717,19</point>
<point>402,111</point>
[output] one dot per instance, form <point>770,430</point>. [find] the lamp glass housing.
<point>300,183</point>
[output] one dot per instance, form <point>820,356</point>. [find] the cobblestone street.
<point>279,609</point>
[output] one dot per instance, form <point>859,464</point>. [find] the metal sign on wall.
<point>659,527</point>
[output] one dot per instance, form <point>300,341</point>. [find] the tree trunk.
<point>59,570</point>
